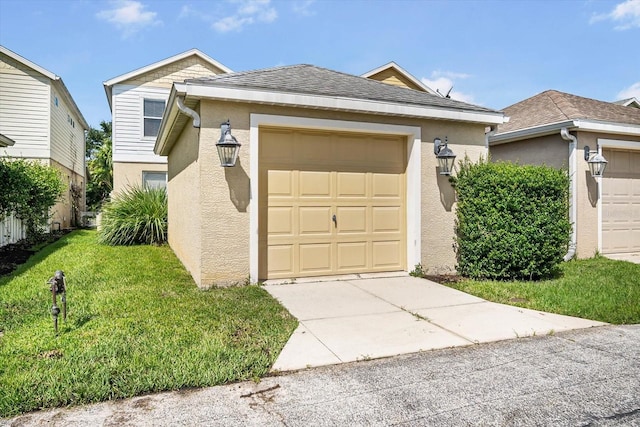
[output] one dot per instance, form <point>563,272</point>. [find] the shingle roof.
<point>553,106</point>
<point>312,80</point>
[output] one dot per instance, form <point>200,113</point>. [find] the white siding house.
<point>137,100</point>
<point>39,115</point>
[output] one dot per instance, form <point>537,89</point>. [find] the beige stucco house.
<point>553,128</point>
<point>336,174</point>
<point>137,100</point>
<point>40,117</point>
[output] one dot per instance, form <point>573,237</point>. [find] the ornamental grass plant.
<point>138,215</point>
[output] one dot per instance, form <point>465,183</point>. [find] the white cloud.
<point>303,7</point>
<point>632,91</point>
<point>626,15</point>
<point>443,81</point>
<point>247,13</point>
<point>129,16</point>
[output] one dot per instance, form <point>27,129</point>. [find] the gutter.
<point>573,191</point>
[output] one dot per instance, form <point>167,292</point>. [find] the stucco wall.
<point>438,196</point>
<point>550,150</point>
<point>185,210</point>
<point>128,174</point>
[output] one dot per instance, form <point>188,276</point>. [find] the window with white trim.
<point>152,116</point>
<point>154,179</point>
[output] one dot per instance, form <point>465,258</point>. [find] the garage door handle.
<point>335,220</point>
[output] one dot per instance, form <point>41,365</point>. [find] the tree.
<point>99,165</point>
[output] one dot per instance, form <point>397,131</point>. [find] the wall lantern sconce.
<point>597,162</point>
<point>445,156</point>
<point>228,146</point>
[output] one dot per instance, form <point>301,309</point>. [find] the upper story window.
<point>152,114</point>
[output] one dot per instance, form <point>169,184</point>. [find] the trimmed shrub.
<point>512,220</point>
<point>29,190</point>
<point>136,216</point>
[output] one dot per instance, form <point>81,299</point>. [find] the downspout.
<point>573,208</point>
<point>188,111</point>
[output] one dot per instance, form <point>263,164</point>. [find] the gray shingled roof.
<point>552,106</point>
<point>312,80</point>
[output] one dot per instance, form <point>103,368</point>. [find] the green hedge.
<point>29,190</point>
<point>512,220</point>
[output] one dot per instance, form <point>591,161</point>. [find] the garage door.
<point>621,202</point>
<point>335,203</point>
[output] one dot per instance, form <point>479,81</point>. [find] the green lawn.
<point>598,289</point>
<point>136,324</point>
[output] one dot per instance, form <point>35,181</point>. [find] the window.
<point>154,179</point>
<point>152,114</point>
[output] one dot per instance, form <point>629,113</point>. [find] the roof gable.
<point>394,74</point>
<point>165,68</point>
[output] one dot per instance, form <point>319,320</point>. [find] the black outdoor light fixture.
<point>597,162</point>
<point>228,146</point>
<point>58,287</point>
<point>445,156</point>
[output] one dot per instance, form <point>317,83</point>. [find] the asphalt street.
<point>588,377</point>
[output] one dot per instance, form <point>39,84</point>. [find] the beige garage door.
<point>621,202</point>
<point>335,203</point>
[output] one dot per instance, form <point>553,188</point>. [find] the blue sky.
<point>494,53</point>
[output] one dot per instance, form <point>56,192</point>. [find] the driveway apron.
<point>359,319</point>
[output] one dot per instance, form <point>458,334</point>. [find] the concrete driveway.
<point>630,257</point>
<point>358,319</point>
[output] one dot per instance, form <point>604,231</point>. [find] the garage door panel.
<point>280,146</point>
<point>386,254</point>
<point>315,258</point>
<point>387,152</point>
<point>281,259</point>
<point>352,256</point>
<point>351,219</point>
<point>387,185</point>
<point>350,184</point>
<point>313,148</point>
<point>315,220</point>
<point>387,219</point>
<point>315,184</point>
<point>621,202</point>
<point>280,183</point>
<point>352,149</point>
<point>280,220</point>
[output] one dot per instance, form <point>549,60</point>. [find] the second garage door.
<point>621,202</point>
<point>331,203</point>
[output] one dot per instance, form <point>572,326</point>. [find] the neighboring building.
<point>629,102</point>
<point>39,115</point>
<point>605,214</point>
<point>336,175</point>
<point>137,100</point>
<point>394,74</point>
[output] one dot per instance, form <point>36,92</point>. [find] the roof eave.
<point>163,143</point>
<point>339,103</point>
<point>585,125</point>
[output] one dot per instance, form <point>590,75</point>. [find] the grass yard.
<point>597,288</point>
<point>136,324</point>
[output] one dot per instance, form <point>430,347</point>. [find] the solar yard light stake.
<point>58,286</point>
